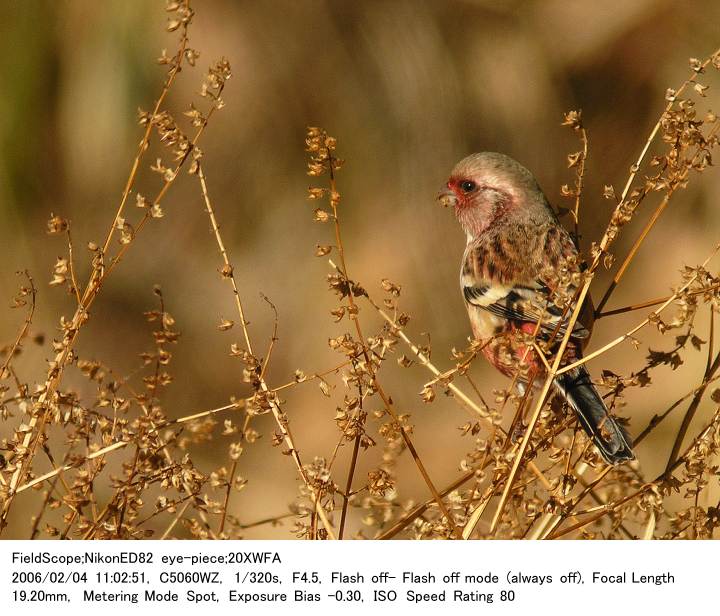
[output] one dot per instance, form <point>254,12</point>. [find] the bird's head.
<point>488,189</point>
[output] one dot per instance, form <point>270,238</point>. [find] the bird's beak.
<point>447,197</point>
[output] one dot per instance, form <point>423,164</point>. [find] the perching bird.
<point>521,268</point>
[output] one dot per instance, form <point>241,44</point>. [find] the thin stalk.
<point>348,486</point>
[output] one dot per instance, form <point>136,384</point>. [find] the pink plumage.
<point>518,277</point>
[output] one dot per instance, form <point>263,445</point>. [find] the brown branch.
<point>692,409</point>
<point>277,412</point>
<point>334,197</point>
<point>658,210</point>
<point>25,326</point>
<point>38,421</point>
<point>348,485</point>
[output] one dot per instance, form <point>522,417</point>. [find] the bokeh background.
<point>408,88</point>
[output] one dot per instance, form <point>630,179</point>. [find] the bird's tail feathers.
<point>611,439</point>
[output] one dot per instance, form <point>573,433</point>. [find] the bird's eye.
<point>467,186</point>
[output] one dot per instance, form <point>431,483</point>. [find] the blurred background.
<point>408,88</point>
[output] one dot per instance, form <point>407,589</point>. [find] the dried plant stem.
<point>520,411</point>
<point>420,509</point>
<point>579,184</point>
<point>271,520</point>
<point>46,499</point>
<point>478,512</point>
<point>144,142</point>
<point>457,392</point>
<point>692,409</point>
<point>228,490</point>
<point>633,251</point>
<point>175,520</point>
<point>403,522</point>
<point>657,419</point>
<point>168,458</point>
<point>361,338</point>
<point>121,444</point>
<point>348,486</point>
<point>483,413</point>
<point>23,330</point>
<point>603,503</point>
<point>97,276</point>
<point>542,529</point>
<point>154,426</point>
<point>576,501</point>
<point>642,324</point>
<point>317,375</point>
<point>658,480</point>
<point>75,288</point>
<point>636,167</point>
<point>433,489</point>
<point>226,260</point>
<point>652,302</point>
<point>660,208</point>
<point>278,414</point>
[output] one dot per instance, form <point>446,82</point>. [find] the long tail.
<point>608,435</point>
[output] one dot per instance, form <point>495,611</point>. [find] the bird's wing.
<point>491,282</point>
<point>524,304</point>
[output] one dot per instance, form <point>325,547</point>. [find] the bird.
<point>519,274</point>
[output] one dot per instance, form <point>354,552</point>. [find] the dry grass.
<point>529,472</point>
